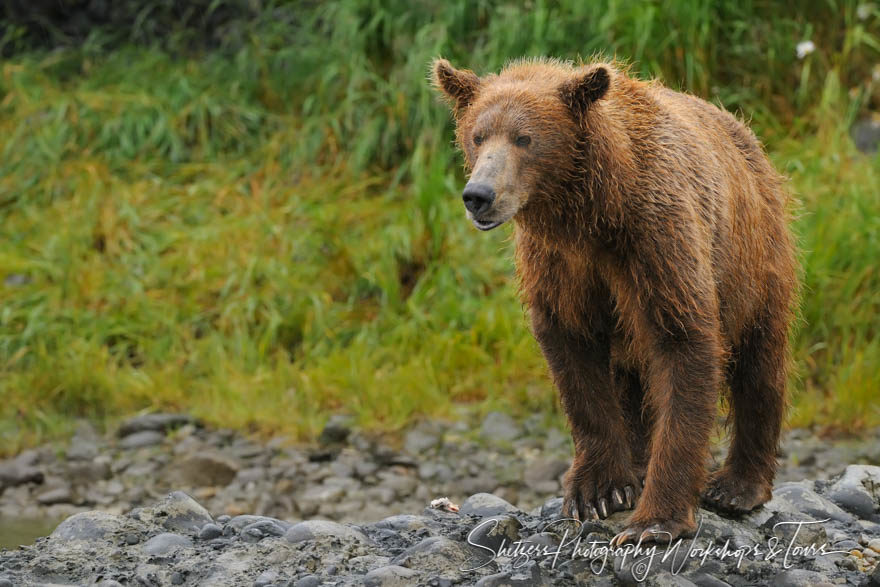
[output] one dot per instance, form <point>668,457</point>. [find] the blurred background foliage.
<point>249,210</point>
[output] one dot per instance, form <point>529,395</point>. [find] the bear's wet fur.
<point>653,253</point>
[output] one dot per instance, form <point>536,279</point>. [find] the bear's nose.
<point>478,197</point>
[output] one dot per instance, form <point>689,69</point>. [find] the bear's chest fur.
<point>572,282</point>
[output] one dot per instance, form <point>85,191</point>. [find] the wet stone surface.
<point>175,541</point>
<point>190,505</point>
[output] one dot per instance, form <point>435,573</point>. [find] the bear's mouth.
<point>486,224</point>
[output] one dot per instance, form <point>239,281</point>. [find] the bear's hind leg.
<point>757,387</point>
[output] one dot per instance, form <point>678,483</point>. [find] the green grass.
<point>272,231</point>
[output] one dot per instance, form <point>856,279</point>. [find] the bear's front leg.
<point>684,351</point>
<point>601,479</point>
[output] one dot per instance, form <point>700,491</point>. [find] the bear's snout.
<point>478,198</point>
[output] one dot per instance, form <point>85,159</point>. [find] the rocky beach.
<point>163,500</point>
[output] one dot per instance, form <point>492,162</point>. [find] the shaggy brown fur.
<point>653,252</point>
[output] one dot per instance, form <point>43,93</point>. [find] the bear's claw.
<point>734,494</point>
<point>581,507</point>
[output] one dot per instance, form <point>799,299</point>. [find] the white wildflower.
<point>864,11</point>
<point>804,48</point>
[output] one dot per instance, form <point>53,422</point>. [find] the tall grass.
<point>270,231</point>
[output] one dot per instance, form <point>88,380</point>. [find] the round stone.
<point>164,543</point>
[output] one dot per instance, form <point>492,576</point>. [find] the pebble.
<point>364,480</point>
<point>206,469</point>
<point>57,495</point>
<point>486,504</point>
<point>210,531</point>
<point>310,530</point>
<point>158,422</point>
<point>141,439</point>
<point>15,472</point>
<point>866,135</point>
<point>164,543</point>
<point>87,526</point>
<point>336,430</point>
<point>494,531</point>
<point>258,530</point>
<point>391,576</point>
<point>418,441</point>
<point>498,426</point>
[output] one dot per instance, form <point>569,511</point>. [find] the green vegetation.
<point>270,230</point>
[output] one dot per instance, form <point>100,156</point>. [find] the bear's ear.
<point>458,85</point>
<point>579,92</point>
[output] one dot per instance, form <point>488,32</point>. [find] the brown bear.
<point>654,256</point>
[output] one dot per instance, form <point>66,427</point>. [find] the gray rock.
<point>391,576</point>
<point>88,472</point>
<point>542,474</point>
<point>88,526</point>
<point>706,580</point>
<point>266,578</point>
<point>499,426</point>
<point>141,439</point>
<point>851,492</point>
<point>552,508</point>
<point>481,482</point>
<point>18,471</point>
<point>239,523</point>
<point>54,495</point>
<point>551,541</point>
<point>402,523</point>
<point>336,430</point>
<point>402,485</point>
<point>803,499</point>
<point>315,529</point>
<point>419,440</point>
<point>164,543</point>
<point>251,475</point>
<point>263,529</point>
<point>529,575</point>
<point>795,528</point>
<point>667,579</point>
<point>154,423</point>
<point>494,531</point>
<point>866,135</point>
<point>177,512</point>
<point>799,578</point>
<point>435,470</point>
<point>210,531</point>
<point>874,580</point>
<point>82,448</point>
<point>434,554</point>
<point>206,469</point>
<point>486,504</point>
<point>308,581</point>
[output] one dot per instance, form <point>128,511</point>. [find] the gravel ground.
<point>487,542</point>
<point>347,477</point>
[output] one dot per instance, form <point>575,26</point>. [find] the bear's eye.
<point>478,140</point>
<point>523,140</point>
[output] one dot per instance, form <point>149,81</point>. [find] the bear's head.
<point>518,129</point>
